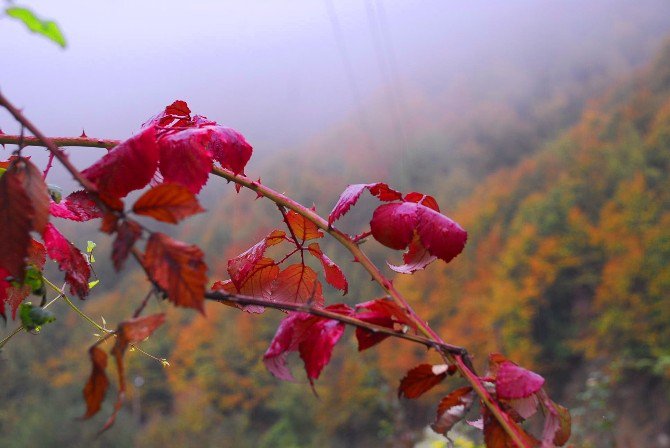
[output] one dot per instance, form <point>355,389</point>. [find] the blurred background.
<point>542,127</point>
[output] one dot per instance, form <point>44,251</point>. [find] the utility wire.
<point>390,86</point>
<point>351,79</point>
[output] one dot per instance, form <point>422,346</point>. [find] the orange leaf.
<point>168,203</point>
<point>24,206</point>
<point>178,268</point>
<point>258,282</point>
<point>128,332</point>
<point>98,383</point>
<point>298,284</point>
<point>303,228</point>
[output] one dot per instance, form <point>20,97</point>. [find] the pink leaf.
<point>127,167</point>
<point>78,206</point>
<point>514,382</point>
<point>350,196</point>
<point>69,259</point>
<point>334,275</point>
<point>312,336</point>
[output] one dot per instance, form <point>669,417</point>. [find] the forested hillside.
<point>564,188</point>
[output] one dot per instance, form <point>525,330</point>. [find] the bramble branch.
<point>453,355</point>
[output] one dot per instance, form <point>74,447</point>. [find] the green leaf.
<point>46,28</point>
<point>2,171</point>
<point>89,250</point>
<point>55,192</point>
<point>33,317</point>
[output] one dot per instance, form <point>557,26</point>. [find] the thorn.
<point>83,134</point>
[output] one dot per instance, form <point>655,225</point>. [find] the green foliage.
<point>46,28</point>
<point>33,317</point>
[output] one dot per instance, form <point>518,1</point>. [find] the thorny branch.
<point>454,355</point>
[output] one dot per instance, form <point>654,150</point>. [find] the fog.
<point>283,71</point>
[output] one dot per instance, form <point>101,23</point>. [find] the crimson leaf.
<point>127,167</point>
<point>334,275</point>
<point>78,206</point>
<point>312,336</point>
<point>350,196</point>
<point>395,225</point>
<point>69,259</point>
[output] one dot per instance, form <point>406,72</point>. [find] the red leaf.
<point>298,284</point>
<point>127,234</point>
<point>229,148</point>
<point>98,383</point>
<point>416,258</point>
<point>367,338</point>
<point>128,332</point>
<point>184,158</point>
<point>168,203</point>
<point>78,206</point>
<point>334,275</point>
<point>24,205</point>
<point>312,336</point>
<point>127,167</point>
<point>240,267</point>
<point>422,199</point>
<point>303,228</point>
<point>395,226</point>
<point>453,409</point>
<point>178,268</point>
<point>382,312</point>
<point>4,291</point>
<point>69,259</point>
<point>350,196</point>
<point>514,382</point>
<point>422,378</point>
<point>176,114</point>
<point>258,282</point>
<point>387,308</point>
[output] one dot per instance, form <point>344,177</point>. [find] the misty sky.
<point>274,69</point>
